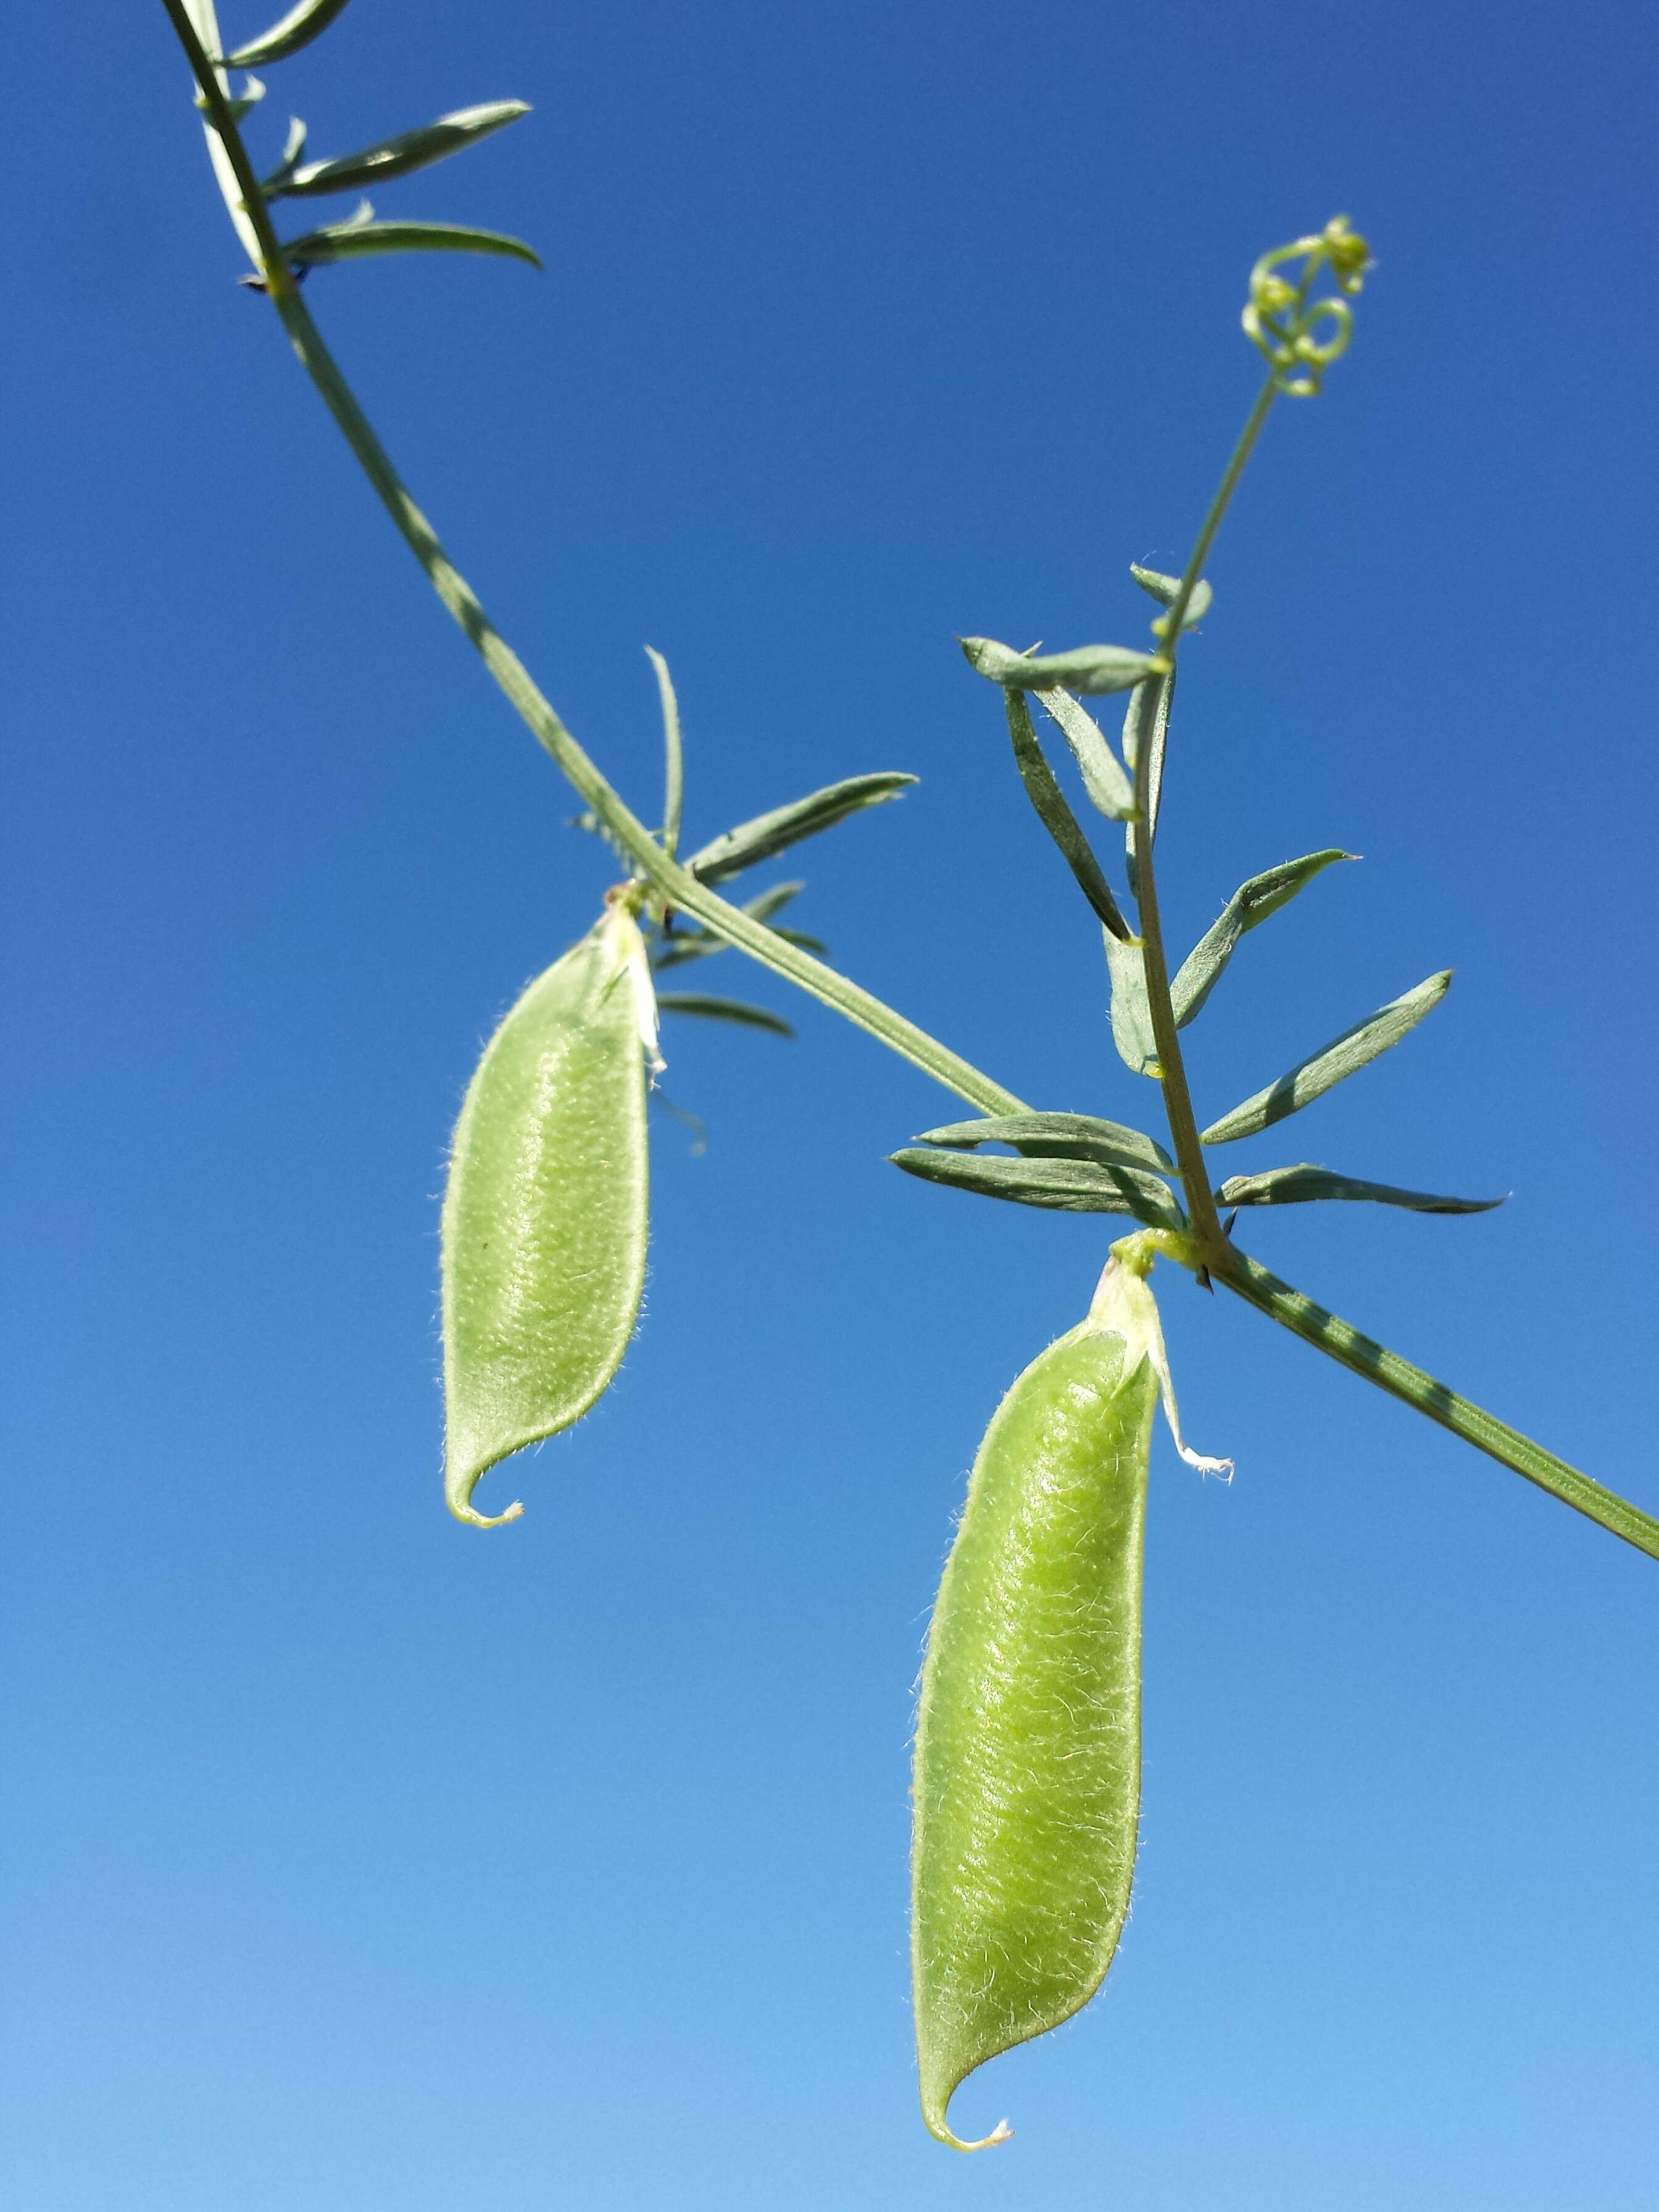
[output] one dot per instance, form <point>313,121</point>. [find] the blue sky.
<point>354,1860</point>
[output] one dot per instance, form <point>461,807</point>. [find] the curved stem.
<point>681,887</point>
<point>1340,1342</point>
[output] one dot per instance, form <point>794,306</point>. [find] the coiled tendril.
<point>1300,335</point>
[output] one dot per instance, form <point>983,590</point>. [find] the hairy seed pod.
<point>1028,1733</point>
<point>544,1217</point>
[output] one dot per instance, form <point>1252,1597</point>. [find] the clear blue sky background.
<point>357,1862</point>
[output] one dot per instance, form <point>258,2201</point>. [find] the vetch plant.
<point>1028,1748</point>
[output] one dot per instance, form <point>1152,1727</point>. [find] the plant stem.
<point>1390,1372</point>
<point>682,889</point>
<point>251,217</point>
<point>1172,1072</point>
<point>1172,1069</point>
<point>1254,424</point>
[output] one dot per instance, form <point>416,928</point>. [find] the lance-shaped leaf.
<point>1165,590</point>
<point>296,29</point>
<point>673,797</point>
<point>1103,777</point>
<point>723,1010</point>
<point>354,240</point>
<point>1252,902</point>
<point>1132,1016</point>
<point>772,901</point>
<point>1057,1137</point>
<point>1056,816</point>
<point>1345,1055</point>
<point>753,841</point>
<point>1147,722</point>
<point>1058,1185</point>
<point>1303,1185</point>
<point>399,156</point>
<point>1090,668</point>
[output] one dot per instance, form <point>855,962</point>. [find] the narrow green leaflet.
<point>353,240</point>
<point>1057,1136</point>
<point>1164,589</point>
<point>1132,1017</point>
<point>1146,722</point>
<point>1103,778</point>
<point>396,157</point>
<point>545,1215</point>
<point>1090,668</point>
<point>1060,1186</point>
<point>772,901</point>
<point>673,798</point>
<point>736,1011</point>
<point>1345,1055</point>
<point>1301,1186</point>
<point>753,841</point>
<point>1056,816</point>
<point>1252,902</point>
<point>296,29</point>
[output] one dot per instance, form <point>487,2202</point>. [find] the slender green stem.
<point>1254,425</point>
<point>1401,1379</point>
<point>682,889</point>
<point>1172,1072</point>
<point>1177,1096</point>
<point>1172,1069</point>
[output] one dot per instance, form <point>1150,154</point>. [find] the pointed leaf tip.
<point>758,840</point>
<point>400,156</point>
<point>295,31</point>
<point>1250,904</point>
<point>1166,590</point>
<point>1090,669</point>
<point>1344,1056</point>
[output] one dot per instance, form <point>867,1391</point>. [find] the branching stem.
<point>680,888</point>
<point>252,220</point>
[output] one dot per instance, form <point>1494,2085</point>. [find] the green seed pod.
<point>544,1217</point>
<point>1028,1733</point>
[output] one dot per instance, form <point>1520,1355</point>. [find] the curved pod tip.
<point>544,1217</point>
<point>474,1519</point>
<point>939,2129</point>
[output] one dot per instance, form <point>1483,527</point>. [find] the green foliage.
<point>389,157</point>
<point>1059,1186</point>
<point>769,834</point>
<point>359,237</point>
<point>735,1011</point>
<point>1304,1185</point>
<point>1250,904</point>
<point>1057,1137</point>
<point>290,35</point>
<point>1346,1055</point>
